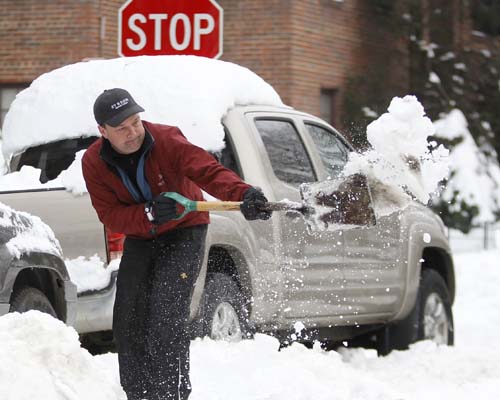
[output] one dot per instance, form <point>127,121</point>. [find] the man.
<point>126,171</point>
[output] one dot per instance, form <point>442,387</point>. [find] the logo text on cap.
<point>120,104</point>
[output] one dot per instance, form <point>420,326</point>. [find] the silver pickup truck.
<point>385,284</point>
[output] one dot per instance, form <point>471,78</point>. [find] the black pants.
<point>151,312</point>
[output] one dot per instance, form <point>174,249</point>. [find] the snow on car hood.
<point>23,233</point>
<point>190,92</point>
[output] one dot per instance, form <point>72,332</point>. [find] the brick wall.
<point>39,35</point>
<point>109,11</point>
<point>337,41</point>
<point>302,46</point>
<point>297,46</point>
<point>257,35</point>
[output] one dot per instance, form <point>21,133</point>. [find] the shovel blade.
<point>337,203</point>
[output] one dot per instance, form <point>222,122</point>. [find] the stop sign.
<point>158,27</point>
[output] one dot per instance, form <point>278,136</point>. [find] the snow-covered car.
<point>389,281</point>
<point>32,271</point>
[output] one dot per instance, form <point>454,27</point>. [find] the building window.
<point>486,16</point>
<point>7,96</point>
<point>327,105</point>
<point>383,7</point>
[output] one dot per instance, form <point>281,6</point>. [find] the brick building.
<point>308,50</point>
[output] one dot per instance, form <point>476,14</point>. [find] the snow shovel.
<point>192,205</point>
<point>324,206</point>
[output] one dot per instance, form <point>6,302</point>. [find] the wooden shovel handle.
<point>218,205</point>
<point>235,206</point>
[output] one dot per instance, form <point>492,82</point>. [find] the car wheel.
<point>29,298</point>
<point>430,319</point>
<point>224,315</point>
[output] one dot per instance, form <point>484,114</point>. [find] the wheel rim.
<point>225,324</point>
<point>436,324</point>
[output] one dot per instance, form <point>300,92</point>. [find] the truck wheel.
<point>224,315</point>
<point>435,317</point>
<point>430,319</point>
<point>29,298</point>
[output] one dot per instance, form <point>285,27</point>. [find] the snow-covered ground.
<point>40,358</point>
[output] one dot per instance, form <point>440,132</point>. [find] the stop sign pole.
<point>160,27</point>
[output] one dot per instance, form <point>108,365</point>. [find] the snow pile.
<point>475,178</point>
<point>90,273</point>
<point>25,233</point>
<point>257,370</point>
<point>190,92</point>
<point>41,358</point>
<point>400,165</point>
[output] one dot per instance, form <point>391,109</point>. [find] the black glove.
<point>161,209</point>
<point>253,206</point>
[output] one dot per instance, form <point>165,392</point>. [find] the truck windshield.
<point>52,158</point>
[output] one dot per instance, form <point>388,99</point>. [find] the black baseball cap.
<point>113,106</point>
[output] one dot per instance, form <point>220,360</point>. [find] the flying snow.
<point>400,165</point>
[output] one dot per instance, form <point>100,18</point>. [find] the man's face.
<point>127,137</point>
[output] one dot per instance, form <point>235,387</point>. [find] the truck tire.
<point>436,317</point>
<point>224,315</point>
<point>29,298</point>
<point>430,319</point>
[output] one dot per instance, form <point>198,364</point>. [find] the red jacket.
<point>172,165</point>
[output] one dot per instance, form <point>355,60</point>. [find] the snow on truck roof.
<point>190,92</point>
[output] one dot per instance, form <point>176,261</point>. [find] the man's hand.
<point>161,209</point>
<point>253,206</point>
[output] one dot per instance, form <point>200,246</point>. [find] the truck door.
<point>311,262</point>
<point>372,273</point>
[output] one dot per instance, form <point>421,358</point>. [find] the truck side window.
<point>332,150</point>
<point>289,158</point>
<point>227,157</point>
<point>53,158</point>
